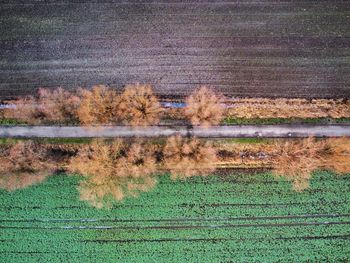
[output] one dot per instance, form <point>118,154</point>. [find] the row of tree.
<point>114,169</point>
<point>136,105</point>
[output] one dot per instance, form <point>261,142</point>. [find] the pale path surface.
<point>239,131</point>
<point>241,48</point>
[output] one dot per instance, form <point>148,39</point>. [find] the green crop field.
<point>227,218</point>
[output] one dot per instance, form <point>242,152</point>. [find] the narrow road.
<point>239,131</point>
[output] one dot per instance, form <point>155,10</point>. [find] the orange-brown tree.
<point>189,157</point>
<point>297,159</point>
<point>22,164</point>
<point>98,106</point>
<point>113,170</point>
<point>56,105</point>
<point>337,155</point>
<point>204,107</point>
<point>25,110</point>
<point>139,106</point>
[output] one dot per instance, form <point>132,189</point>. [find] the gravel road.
<point>239,131</point>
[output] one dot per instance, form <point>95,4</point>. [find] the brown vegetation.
<point>188,157</point>
<point>337,157</point>
<point>23,164</point>
<point>247,155</point>
<point>98,106</point>
<point>288,108</point>
<point>139,106</point>
<point>204,107</point>
<point>297,159</point>
<point>25,110</point>
<point>60,154</point>
<point>56,106</point>
<point>21,180</point>
<point>24,156</point>
<point>113,171</point>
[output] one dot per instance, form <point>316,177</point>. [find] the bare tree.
<point>98,106</point>
<point>22,164</point>
<point>58,105</point>
<point>204,107</point>
<point>297,159</point>
<point>139,106</point>
<point>113,171</point>
<point>189,157</point>
<point>337,155</point>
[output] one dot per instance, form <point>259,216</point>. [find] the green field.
<point>231,218</point>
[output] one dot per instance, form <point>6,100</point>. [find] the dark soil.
<point>242,48</point>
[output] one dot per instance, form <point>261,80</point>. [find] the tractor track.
<point>91,220</point>
<point>136,227</point>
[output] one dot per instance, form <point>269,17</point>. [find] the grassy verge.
<point>48,140</point>
<point>229,121</point>
<point>65,140</point>
<point>11,122</point>
<point>211,219</point>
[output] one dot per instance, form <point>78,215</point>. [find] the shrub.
<point>204,107</point>
<point>23,164</point>
<point>113,171</point>
<point>139,106</point>
<point>188,157</point>
<point>98,106</point>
